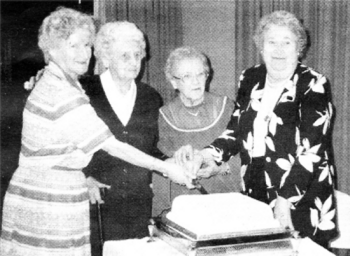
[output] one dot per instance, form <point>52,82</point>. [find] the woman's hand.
<point>184,154</point>
<point>199,163</point>
<point>29,85</point>
<point>94,187</point>
<point>179,174</point>
<point>193,166</point>
<point>209,169</point>
<point>189,158</point>
<point>282,213</point>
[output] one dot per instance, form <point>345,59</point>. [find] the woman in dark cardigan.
<point>130,109</point>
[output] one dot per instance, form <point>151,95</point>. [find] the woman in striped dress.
<point>46,207</point>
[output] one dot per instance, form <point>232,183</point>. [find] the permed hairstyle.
<point>183,53</point>
<point>281,18</point>
<point>59,25</point>
<point>117,32</point>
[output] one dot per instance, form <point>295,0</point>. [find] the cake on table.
<point>221,213</point>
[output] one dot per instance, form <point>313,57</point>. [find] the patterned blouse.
<point>298,163</point>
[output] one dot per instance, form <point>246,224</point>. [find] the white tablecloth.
<point>136,247</point>
<point>139,247</point>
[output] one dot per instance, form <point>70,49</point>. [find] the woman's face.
<point>125,60</point>
<point>280,52</point>
<point>189,77</point>
<point>73,55</point>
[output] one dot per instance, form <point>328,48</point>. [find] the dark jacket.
<point>128,181</point>
<point>298,163</point>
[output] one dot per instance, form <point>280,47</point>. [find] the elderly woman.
<point>46,206</point>
<point>130,109</point>
<point>281,126</point>
<point>196,117</point>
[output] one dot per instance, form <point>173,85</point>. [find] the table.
<point>135,247</point>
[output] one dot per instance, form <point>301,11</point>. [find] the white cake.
<point>221,213</point>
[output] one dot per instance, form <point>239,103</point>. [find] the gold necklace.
<point>193,107</point>
<point>193,114</point>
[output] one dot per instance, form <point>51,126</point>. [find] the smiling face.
<point>280,52</point>
<point>73,55</point>
<point>125,60</point>
<point>190,79</point>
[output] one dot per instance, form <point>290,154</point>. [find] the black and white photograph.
<point>175,127</point>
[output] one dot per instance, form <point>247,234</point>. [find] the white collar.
<point>122,104</point>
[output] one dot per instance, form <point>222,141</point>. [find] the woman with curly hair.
<point>46,206</point>
<point>194,117</point>
<point>281,127</point>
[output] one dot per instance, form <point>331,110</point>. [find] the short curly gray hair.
<point>183,53</point>
<point>281,18</point>
<point>117,31</point>
<point>59,25</point>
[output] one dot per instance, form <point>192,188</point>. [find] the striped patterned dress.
<point>46,207</point>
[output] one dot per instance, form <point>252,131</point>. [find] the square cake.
<point>221,213</point>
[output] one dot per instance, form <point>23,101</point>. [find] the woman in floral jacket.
<point>281,126</point>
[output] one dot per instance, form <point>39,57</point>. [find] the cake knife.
<point>200,188</point>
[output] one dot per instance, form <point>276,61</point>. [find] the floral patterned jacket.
<point>298,163</point>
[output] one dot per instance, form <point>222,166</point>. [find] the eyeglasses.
<point>126,57</point>
<point>187,78</point>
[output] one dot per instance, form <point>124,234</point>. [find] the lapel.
<point>104,109</point>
